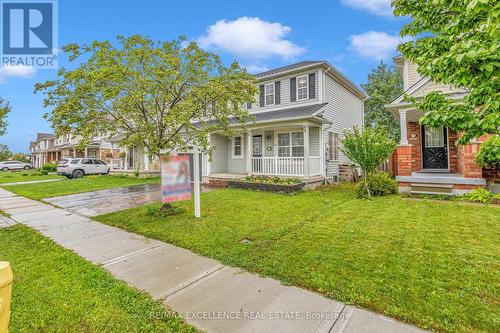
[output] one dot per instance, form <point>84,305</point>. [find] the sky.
<point>353,35</point>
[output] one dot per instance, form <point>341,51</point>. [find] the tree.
<point>368,149</point>
<point>459,46</point>
<point>163,95</point>
<point>4,110</point>
<point>20,157</point>
<point>4,152</point>
<point>383,86</point>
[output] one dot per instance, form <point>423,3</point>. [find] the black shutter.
<point>277,92</point>
<point>261,97</point>
<point>293,89</point>
<point>312,85</point>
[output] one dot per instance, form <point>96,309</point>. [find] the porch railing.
<point>279,166</point>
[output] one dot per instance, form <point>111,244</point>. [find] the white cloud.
<point>375,45</point>
<point>377,7</point>
<point>251,38</point>
<point>24,72</point>
<point>255,68</point>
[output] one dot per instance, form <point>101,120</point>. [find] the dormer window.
<point>302,87</point>
<point>269,93</point>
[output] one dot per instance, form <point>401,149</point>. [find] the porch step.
<point>423,188</point>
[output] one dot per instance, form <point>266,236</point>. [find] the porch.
<point>284,150</point>
<point>430,161</point>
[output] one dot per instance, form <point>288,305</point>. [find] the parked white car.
<point>79,167</point>
<point>14,165</point>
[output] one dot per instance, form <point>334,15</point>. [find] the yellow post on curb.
<point>6,278</point>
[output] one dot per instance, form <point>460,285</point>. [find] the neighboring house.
<point>429,159</point>
<point>51,149</point>
<point>300,115</point>
<point>42,151</point>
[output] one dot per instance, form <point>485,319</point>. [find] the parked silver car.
<point>14,165</point>
<point>79,167</point>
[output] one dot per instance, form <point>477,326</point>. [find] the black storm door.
<point>434,147</point>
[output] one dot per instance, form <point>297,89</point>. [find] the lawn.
<point>79,185</point>
<point>57,291</point>
<point>23,176</point>
<point>432,264</point>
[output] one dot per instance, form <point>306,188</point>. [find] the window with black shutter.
<point>277,92</point>
<point>312,85</point>
<point>293,89</point>
<point>261,96</point>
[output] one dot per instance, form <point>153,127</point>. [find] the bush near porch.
<point>433,264</point>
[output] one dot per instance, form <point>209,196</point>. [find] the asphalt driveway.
<point>107,201</point>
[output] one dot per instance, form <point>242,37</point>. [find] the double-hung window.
<point>237,147</point>
<point>291,144</point>
<point>302,87</point>
<point>333,142</point>
<point>269,93</point>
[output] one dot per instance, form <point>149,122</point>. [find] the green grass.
<point>23,176</point>
<point>432,264</point>
<point>72,186</point>
<point>55,290</point>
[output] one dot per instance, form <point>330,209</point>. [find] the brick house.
<point>429,159</point>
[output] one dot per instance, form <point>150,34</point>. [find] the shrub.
<point>480,194</point>
<point>271,180</point>
<point>379,184</point>
<point>49,167</point>
<point>44,172</point>
<point>489,154</point>
<point>367,148</point>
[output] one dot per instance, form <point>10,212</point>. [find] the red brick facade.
<point>461,157</point>
<point>466,164</point>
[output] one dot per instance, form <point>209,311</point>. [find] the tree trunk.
<point>366,184</point>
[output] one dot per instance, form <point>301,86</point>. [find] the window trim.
<point>233,146</point>
<point>290,145</point>
<point>306,87</point>
<point>266,94</point>
<point>334,147</point>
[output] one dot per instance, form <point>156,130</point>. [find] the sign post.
<point>196,173</point>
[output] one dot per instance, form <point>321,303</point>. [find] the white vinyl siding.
<point>344,110</point>
<point>220,154</point>
<point>314,149</point>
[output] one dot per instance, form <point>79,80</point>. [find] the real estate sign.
<point>175,178</point>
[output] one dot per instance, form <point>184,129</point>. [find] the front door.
<point>257,146</point>
<point>434,147</point>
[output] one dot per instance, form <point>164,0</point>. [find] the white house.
<point>300,115</point>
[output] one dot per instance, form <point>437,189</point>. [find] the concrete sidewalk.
<point>33,182</point>
<point>209,295</point>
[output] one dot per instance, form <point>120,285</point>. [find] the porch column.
<point>74,152</point>
<point>306,150</point>
<point>249,152</point>
<point>86,153</point>
<point>403,123</point>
